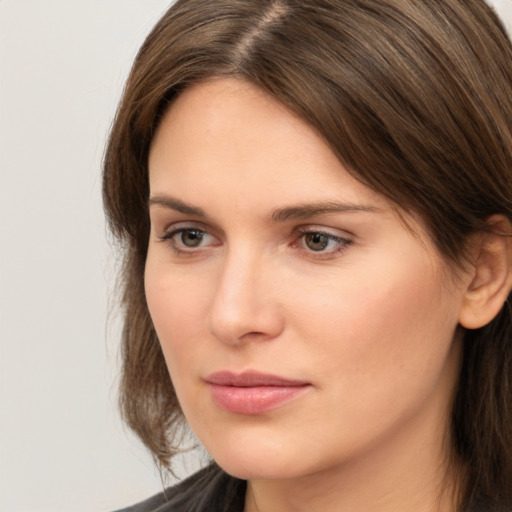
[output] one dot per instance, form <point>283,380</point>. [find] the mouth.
<point>253,392</point>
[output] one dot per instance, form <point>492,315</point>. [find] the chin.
<point>264,469</point>
<point>259,463</point>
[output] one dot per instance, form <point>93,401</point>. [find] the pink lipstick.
<point>252,392</point>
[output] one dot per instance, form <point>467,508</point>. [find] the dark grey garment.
<point>208,490</point>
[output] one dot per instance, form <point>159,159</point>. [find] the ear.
<point>491,276</point>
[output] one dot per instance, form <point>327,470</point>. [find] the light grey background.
<point>62,67</point>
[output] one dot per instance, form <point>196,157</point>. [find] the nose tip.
<point>232,328</point>
<point>244,308</point>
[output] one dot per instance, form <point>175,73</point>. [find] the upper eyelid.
<point>167,229</point>
<point>184,225</point>
<point>329,231</point>
<point>332,236</point>
<point>170,232</point>
<point>174,230</point>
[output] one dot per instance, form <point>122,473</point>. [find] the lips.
<point>253,392</point>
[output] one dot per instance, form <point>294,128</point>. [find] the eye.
<point>321,242</point>
<point>188,239</point>
<point>317,241</point>
<point>191,237</point>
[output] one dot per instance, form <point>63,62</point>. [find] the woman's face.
<point>304,326</point>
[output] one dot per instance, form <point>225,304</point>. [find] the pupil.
<point>191,238</point>
<point>316,241</point>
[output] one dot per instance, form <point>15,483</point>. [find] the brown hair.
<point>413,96</point>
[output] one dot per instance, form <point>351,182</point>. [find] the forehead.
<point>228,131</point>
<point>230,118</point>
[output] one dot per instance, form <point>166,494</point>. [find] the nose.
<point>244,306</point>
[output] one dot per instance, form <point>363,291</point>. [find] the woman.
<point>314,202</point>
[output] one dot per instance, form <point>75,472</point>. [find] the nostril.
<point>254,334</point>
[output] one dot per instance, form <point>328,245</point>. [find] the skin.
<point>370,321</point>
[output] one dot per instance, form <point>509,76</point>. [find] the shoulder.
<point>210,489</point>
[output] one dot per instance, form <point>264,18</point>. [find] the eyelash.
<point>342,243</point>
<point>169,237</point>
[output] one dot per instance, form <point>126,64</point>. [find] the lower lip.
<point>254,400</point>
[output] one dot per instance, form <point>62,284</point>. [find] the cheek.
<point>178,307</point>
<point>390,327</point>
<point>177,310</point>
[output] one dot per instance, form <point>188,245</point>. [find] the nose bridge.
<point>243,304</point>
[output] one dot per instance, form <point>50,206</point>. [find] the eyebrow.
<point>295,212</point>
<point>177,205</point>
<point>305,211</point>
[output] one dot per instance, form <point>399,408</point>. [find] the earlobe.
<point>491,276</point>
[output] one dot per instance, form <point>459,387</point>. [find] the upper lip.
<point>251,378</point>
